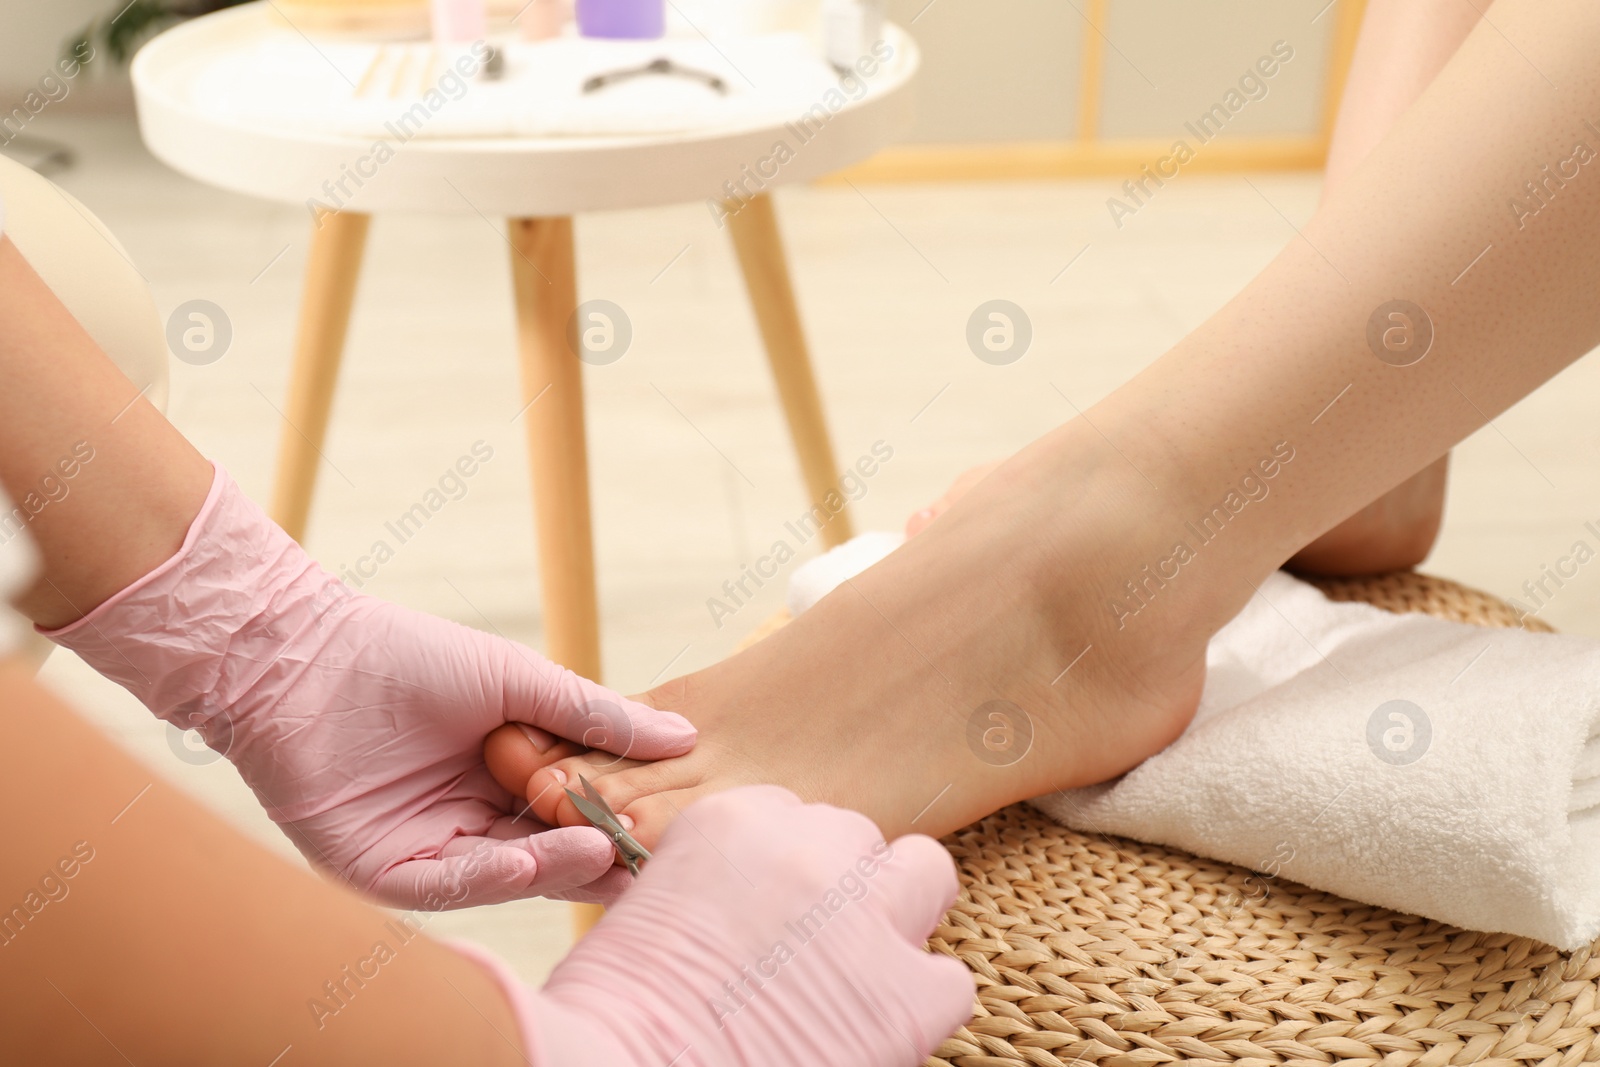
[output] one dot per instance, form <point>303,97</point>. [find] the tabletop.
<point>243,99</point>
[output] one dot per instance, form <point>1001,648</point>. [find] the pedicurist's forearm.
<point>1469,223</point>
<point>136,927</point>
<point>106,485</point>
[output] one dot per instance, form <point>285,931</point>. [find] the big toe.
<point>515,752</point>
<point>547,787</point>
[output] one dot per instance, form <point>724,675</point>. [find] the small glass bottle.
<point>543,19</point>
<point>849,30</point>
<point>623,19</point>
<point>459,20</point>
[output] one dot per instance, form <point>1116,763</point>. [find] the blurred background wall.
<point>31,38</point>
<point>1009,70</point>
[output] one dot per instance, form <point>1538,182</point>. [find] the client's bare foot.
<point>993,658</point>
<point>1392,533</point>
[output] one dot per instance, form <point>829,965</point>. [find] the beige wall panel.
<point>994,70</point>
<point>1194,53</point>
<point>1008,70</point>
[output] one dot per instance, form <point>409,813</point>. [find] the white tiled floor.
<point>691,468</point>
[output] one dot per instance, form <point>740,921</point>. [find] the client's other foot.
<point>964,484</point>
<point>1393,533</point>
<point>982,663</point>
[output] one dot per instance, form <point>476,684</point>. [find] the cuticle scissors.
<point>593,807</point>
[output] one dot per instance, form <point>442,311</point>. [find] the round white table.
<point>538,184</point>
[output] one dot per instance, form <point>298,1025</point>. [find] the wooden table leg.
<point>544,279</point>
<point>754,228</point>
<point>332,268</point>
<point>545,283</point>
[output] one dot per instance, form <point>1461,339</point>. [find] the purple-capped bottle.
<point>624,19</point>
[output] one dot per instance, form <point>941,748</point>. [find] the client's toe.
<point>516,751</point>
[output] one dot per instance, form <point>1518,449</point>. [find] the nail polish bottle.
<point>459,20</point>
<point>622,19</point>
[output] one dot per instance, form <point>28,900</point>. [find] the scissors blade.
<point>594,813</point>
<point>595,798</point>
<point>594,808</point>
<point>638,851</point>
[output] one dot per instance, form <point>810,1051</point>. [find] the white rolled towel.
<point>816,578</point>
<point>1440,769</point>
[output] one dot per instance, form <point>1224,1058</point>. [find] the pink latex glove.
<point>360,724</point>
<point>764,933</point>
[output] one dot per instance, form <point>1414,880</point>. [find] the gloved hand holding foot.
<point>359,724</point>
<point>764,933</point>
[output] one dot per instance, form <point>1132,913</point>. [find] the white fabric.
<point>18,560</point>
<point>18,563</point>
<point>278,81</point>
<point>1482,810</point>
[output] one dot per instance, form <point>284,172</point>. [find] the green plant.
<point>127,27</point>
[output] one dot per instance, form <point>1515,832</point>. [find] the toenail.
<point>626,821</point>
<point>559,775</point>
<point>541,741</point>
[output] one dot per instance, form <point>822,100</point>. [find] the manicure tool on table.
<point>494,64</point>
<point>593,806</point>
<point>656,66</point>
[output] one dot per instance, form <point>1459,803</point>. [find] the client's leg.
<point>1079,582</point>
<point>1404,44</point>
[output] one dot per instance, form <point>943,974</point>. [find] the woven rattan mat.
<point>1101,950</point>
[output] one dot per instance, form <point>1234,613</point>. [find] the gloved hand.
<point>764,933</point>
<point>360,724</point>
